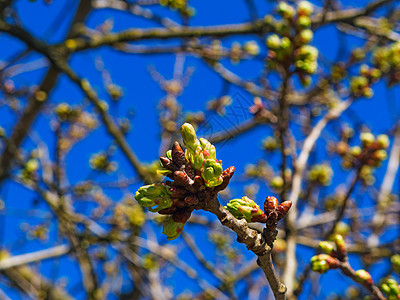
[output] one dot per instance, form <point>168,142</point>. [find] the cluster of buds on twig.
<point>277,183</point>
<point>76,123</point>
<point>114,91</point>
<point>67,113</point>
<point>360,86</point>
<point>247,209</point>
<point>363,277</point>
<point>179,5</point>
<point>321,174</point>
<point>128,213</point>
<point>101,162</point>
<point>290,46</point>
<point>371,153</point>
<point>391,289</point>
<point>270,143</point>
<point>194,172</point>
<point>261,170</point>
<point>337,258</point>
<point>331,258</point>
<point>236,52</point>
<point>387,59</point>
<point>30,169</point>
<point>219,105</point>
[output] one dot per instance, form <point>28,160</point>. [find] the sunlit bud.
<point>355,151</point>
<point>340,244</point>
<point>364,70</point>
<point>391,289</point>
<point>245,208</point>
<point>323,262</point>
<point>273,42</point>
<point>209,151</point>
<point>212,173</point>
<point>195,157</point>
<point>382,141</point>
<point>380,154</point>
<point>304,8</point>
<point>395,260</point>
<point>251,48</point>
<point>375,74</point>
<point>271,203</point>
<point>320,266</point>
<point>283,209</point>
<point>363,276</point>
<point>172,229</point>
<point>307,52</point>
<point>367,138</point>
<point>189,136</point>
<point>285,10</point>
<point>306,36</point>
<point>304,21</point>
<point>286,43</point>
<point>154,195</point>
<point>32,165</point>
<point>277,182</point>
<point>326,247</point>
<point>270,143</point>
<point>358,54</point>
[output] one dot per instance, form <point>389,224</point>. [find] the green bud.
<point>383,141</point>
<point>317,265</point>
<point>244,208</point>
<point>355,151</point>
<point>307,52</point>
<point>169,154</point>
<point>189,136</point>
<point>306,36</point>
<point>395,260</point>
<point>212,173</point>
<point>340,244</point>
<point>209,151</point>
<point>286,43</point>
<point>358,54</point>
<point>32,165</point>
<point>367,138</point>
<point>277,182</point>
<point>326,247</point>
<point>391,289</point>
<point>196,157</point>
<point>380,154</point>
<point>172,229</point>
<point>152,195</point>
<point>273,42</point>
<point>252,48</point>
<point>304,8</point>
<point>304,21</point>
<point>363,276</point>
<point>285,10</point>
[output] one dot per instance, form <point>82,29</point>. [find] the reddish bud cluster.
<point>187,184</point>
<point>275,211</point>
